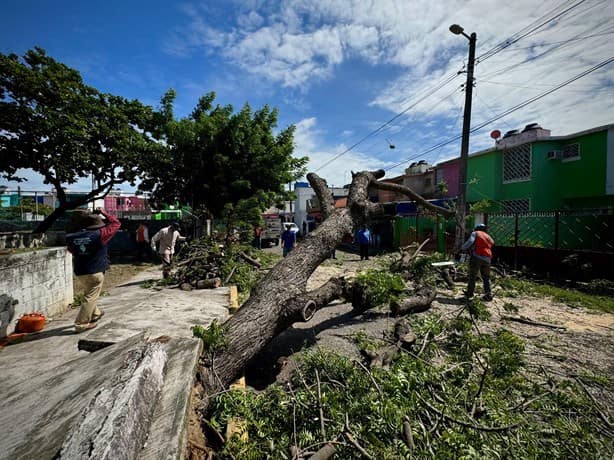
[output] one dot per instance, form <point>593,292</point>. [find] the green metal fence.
<point>586,230</point>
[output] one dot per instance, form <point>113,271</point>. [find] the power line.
<point>490,53</point>
<point>424,114</point>
<point>526,31</point>
<point>383,126</point>
<point>528,59</point>
<point>509,111</point>
<point>558,43</point>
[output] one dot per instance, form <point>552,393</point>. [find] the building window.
<point>516,206</point>
<point>517,164</point>
<point>571,152</point>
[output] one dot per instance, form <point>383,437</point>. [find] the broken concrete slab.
<point>39,414</point>
<point>115,423</point>
<point>170,312</point>
<point>167,437</point>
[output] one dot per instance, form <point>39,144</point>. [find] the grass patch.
<point>514,287</point>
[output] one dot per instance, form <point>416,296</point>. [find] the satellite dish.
<point>496,134</point>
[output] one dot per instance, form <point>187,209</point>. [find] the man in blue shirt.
<point>288,237</point>
<point>363,237</point>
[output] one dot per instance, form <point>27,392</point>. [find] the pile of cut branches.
<point>205,263</point>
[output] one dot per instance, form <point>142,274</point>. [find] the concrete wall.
<point>40,280</point>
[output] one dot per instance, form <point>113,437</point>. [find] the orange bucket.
<point>31,322</point>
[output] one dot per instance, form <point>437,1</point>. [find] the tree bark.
<point>280,298</point>
<point>415,304</point>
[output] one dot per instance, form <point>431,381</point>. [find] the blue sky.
<point>338,69</point>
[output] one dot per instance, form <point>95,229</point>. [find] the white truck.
<point>271,232</point>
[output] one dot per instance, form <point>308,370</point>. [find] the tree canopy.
<point>219,161</point>
<point>53,123</point>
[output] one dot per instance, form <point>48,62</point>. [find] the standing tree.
<point>54,124</point>
<point>223,163</point>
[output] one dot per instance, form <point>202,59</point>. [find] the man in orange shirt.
<point>480,245</point>
<point>142,242</point>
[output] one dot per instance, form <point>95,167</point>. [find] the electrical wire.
<point>525,32</point>
<point>515,38</point>
<point>509,111</point>
<point>558,43</point>
<point>383,126</point>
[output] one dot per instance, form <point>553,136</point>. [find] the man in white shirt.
<point>166,239</point>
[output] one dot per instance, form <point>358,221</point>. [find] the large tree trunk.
<point>280,298</point>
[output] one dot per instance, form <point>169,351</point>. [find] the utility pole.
<point>464,155</point>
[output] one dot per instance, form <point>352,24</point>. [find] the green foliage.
<point>483,206</point>
<point>213,337</point>
<point>558,424</point>
<point>53,123</point>
<point>26,205</point>
<point>442,187</point>
<point>380,287</point>
<point>228,164</point>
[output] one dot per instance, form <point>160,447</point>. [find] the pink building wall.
<point>449,173</point>
<point>124,203</point>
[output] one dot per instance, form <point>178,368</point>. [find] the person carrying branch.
<point>87,239</point>
<point>480,245</point>
<point>166,238</point>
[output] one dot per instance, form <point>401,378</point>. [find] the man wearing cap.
<point>167,237</point>
<point>87,240</point>
<point>480,245</point>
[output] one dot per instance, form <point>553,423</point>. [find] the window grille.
<point>571,151</point>
<point>516,206</point>
<point>517,164</point>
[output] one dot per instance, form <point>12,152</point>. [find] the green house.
<point>534,171</point>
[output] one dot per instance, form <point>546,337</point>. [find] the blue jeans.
<point>287,250</point>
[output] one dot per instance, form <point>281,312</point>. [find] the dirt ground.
<point>583,345</point>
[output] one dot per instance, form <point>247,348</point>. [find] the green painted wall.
<point>573,183</point>
<point>554,184</point>
<point>483,176</point>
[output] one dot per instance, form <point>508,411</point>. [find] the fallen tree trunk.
<point>419,302</point>
<point>280,298</point>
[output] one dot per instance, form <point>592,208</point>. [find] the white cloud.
<point>310,141</point>
<point>295,44</point>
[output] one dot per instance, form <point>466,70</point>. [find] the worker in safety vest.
<point>480,245</point>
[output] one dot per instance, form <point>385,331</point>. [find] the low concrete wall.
<point>39,280</point>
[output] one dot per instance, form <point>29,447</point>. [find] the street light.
<point>462,172</point>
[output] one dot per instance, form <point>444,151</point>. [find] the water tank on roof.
<point>531,126</point>
<point>511,133</point>
<point>422,162</point>
<point>412,165</point>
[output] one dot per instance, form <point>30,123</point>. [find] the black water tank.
<point>531,126</point>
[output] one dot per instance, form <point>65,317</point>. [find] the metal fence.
<point>573,244</point>
<point>586,230</point>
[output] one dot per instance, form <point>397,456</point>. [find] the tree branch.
<point>414,196</point>
<point>325,197</point>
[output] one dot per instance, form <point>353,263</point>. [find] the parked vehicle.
<point>272,229</point>
<point>293,227</point>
